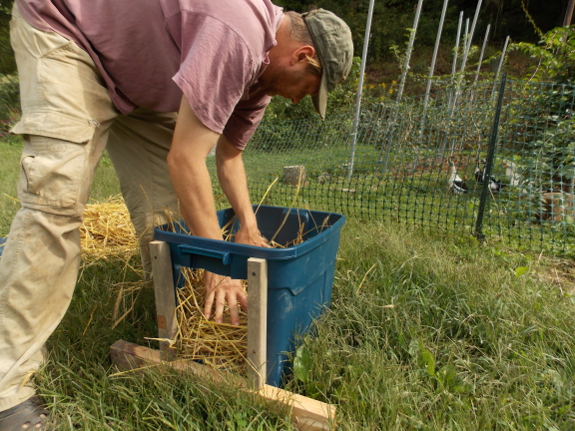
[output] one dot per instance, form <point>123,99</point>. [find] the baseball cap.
<point>332,41</point>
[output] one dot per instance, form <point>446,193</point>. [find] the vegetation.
<point>424,332</point>
<point>392,18</point>
<point>441,333</point>
<point>7,63</point>
<point>9,102</point>
<point>554,55</point>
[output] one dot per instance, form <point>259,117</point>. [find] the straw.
<point>221,345</point>
<point>107,231</point>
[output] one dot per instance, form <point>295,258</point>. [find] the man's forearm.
<point>193,187</point>
<point>190,176</point>
<point>232,178</point>
<point>187,164</point>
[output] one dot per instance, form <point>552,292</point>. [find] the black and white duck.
<point>456,183</point>
<point>480,174</point>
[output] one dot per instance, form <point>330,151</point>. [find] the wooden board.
<point>257,321</point>
<point>165,294</point>
<point>307,414</point>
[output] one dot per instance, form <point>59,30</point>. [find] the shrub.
<point>555,55</point>
<point>9,102</point>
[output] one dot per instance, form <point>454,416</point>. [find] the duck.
<point>480,174</point>
<point>494,185</point>
<point>456,183</point>
<point>512,174</point>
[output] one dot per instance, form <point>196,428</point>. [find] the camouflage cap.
<point>334,46</point>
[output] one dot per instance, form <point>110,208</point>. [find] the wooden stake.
<point>257,321</point>
<point>307,414</point>
<point>165,293</point>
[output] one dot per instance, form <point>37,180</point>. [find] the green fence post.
<point>489,161</point>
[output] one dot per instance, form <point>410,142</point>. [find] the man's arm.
<point>191,145</point>
<point>232,177</point>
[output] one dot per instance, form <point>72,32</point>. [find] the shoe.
<point>28,415</point>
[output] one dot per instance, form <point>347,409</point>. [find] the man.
<point>110,74</point>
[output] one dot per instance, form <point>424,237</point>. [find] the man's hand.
<point>221,289</point>
<point>250,237</point>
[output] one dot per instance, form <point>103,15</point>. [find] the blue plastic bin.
<point>300,278</point>
<point>2,241</point>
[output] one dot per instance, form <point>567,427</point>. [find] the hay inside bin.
<point>220,345</point>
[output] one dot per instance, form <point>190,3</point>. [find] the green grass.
<point>443,334</point>
<point>10,150</point>
<point>425,331</point>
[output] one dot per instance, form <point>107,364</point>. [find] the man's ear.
<point>302,53</point>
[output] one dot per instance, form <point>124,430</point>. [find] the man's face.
<point>293,82</point>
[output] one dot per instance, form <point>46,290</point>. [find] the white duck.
<point>511,173</point>
<point>456,183</point>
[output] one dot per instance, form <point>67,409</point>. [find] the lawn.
<point>426,331</point>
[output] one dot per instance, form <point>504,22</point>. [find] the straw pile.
<point>107,231</point>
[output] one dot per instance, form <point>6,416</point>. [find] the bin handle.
<point>190,249</point>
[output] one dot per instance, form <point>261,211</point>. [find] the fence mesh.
<point>425,163</point>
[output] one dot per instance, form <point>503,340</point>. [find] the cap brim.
<point>320,101</point>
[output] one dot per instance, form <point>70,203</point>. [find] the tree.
<point>7,62</point>
<point>392,18</point>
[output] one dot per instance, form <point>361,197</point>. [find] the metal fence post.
<point>489,161</point>
<point>360,88</point>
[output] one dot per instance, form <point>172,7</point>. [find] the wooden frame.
<point>257,321</point>
<point>307,414</point>
<point>165,294</point>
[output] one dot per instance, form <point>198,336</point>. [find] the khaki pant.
<point>67,122</point>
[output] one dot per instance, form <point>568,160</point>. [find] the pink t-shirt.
<point>149,52</point>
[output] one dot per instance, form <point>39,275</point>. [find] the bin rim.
<point>291,252</point>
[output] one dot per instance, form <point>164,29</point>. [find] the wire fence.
<point>429,164</point>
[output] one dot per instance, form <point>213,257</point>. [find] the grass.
<point>10,150</point>
<point>425,331</point>
<point>443,334</point>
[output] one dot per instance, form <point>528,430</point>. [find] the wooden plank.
<point>307,414</point>
<point>165,293</point>
<point>130,356</point>
<point>257,321</point>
